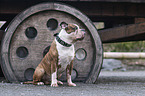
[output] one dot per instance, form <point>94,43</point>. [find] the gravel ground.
<point>109,84</point>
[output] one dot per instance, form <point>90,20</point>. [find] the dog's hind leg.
<point>38,74</point>
<point>46,79</point>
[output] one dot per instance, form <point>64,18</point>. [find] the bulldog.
<point>60,57</point>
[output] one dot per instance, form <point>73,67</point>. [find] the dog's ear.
<point>63,25</point>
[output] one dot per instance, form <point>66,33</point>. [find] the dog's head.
<point>72,32</point>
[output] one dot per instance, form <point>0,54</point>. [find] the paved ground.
<point>109,84</point>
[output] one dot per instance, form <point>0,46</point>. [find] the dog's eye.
<point>75,28</point>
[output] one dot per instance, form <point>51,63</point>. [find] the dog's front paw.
<point>72,84</point>
<point>54,85</point>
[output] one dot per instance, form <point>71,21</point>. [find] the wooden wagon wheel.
<point>29,35</point>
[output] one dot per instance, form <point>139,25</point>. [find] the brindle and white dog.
<point>60,57</point>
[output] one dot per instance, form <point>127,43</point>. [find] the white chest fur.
<point>65,56</point>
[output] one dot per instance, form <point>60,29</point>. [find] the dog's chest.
<point>65,56</point>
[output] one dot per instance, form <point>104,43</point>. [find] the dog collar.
<point>61,41</point>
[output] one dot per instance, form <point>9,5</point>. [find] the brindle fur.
<point>50,61</point>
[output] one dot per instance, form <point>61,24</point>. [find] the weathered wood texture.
<point>96,11</point>
<point>135,1</point>
<point>89,8</point>
<point>132,32</point>
<point>37,18</point>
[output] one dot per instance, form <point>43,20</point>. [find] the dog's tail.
<point>27,82</point>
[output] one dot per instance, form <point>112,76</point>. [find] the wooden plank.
<point>135,1</point>
<point>107,9</point>
<point>131,10</point>
<point>118,33</point>
<point>140,9</point>
<point>89,8</point>
<point>119,9</point>
<point>139,20</point>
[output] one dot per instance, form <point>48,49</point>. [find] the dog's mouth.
<point>80,38</point>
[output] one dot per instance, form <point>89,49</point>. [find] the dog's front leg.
<point>54,79</point>
<point>68,73</point>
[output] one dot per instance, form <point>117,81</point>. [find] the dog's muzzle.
<point>82,34</point>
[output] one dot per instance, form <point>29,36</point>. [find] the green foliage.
<point>138,46</point>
